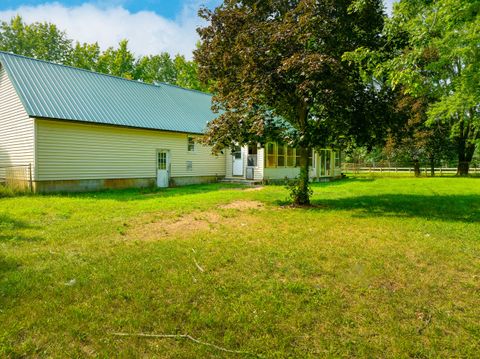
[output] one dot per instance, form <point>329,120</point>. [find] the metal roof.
<point>56,91</point>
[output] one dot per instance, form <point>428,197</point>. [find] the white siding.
<point>71,151</point>
<point>16,129</point>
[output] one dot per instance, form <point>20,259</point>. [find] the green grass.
<point>378,268</point>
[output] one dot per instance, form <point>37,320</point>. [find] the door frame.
<point>233,162</point>
<point>167,165</point>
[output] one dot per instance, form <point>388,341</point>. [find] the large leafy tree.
<point>278,73</point>
<point>433,53</point>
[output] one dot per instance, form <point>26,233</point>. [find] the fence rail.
<point>18,176</point>
<point>353,168</point>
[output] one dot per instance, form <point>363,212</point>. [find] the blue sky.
<point>151,26</point>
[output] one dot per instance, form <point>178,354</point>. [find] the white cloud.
<point>147,32</point>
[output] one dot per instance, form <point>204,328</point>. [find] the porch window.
<point>325,162</point>
<point>281,156</point>
<point>338,162</point>
<point>290,156</point>
<point>190,144</point>
<point>252,156</point>
<point>271,161</point>
<point>297,158</point>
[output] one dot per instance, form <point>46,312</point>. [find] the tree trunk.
<point>463,167</point>
<point>432,166</point>
<point>416,168</point>
<point>302,195</point>
<point>465,155</point>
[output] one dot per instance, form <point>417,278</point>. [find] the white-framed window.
<point>190,144</point>
<point>189,166</point>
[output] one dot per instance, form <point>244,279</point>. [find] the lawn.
<point>377,268</point>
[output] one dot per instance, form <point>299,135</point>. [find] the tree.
<point>433,52</point>
<point>187,74</point>
<point>156,68</point>
<point>85,56</point>
<point>278,74</point>
<point>417,139</point>
<point>39,40</point>
<point>117,62</point>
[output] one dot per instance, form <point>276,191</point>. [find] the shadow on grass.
<point>10,228</point>
<point>135,194</point>
<point>453,208</point>
<point>342,181</point>
<point>7,265</point>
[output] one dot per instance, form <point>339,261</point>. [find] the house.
<point>68,129</point>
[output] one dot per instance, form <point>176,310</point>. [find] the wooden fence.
<point>352,168</point>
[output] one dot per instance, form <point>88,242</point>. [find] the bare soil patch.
<point>243,205</point>
<point>195,222</point>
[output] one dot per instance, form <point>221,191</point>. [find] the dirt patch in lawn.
<point>253,189</point>
<point>153,228</point>
<point>242,205</point>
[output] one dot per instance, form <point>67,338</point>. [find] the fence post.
<point>31,177</point>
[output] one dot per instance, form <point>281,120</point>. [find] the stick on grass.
<point>182,336</point>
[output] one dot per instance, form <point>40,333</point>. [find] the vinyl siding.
<point>71,151</point>
<point>17,131</point>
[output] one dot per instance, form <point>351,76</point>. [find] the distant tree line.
<point>45,41</point>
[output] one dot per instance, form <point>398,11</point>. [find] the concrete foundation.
<point>185,181</point>
<point>89,185</point>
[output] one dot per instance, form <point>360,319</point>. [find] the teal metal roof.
<point>50,90</point>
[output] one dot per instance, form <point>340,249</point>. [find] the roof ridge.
<point>185,88</point>
<point>101,73</point>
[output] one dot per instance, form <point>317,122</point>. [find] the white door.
<point>237,162</point>
<point>163,168</point>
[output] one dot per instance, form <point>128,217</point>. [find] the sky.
<point>151,26</point>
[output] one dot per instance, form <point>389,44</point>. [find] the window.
<point>191,144</point>
<point>189,166</point>
<point>338,162</point>
<point>297,158</point>
<point>325,162</point>
<point>290,157</point>
<point>252,156</point>
<point>237,153</point>
<point>162,160</point>
<point>281,156</point>
<point>271,155</point>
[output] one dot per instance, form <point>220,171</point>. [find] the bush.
<point>298,193</point>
